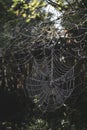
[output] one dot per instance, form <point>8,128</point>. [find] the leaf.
<point>24,15</point>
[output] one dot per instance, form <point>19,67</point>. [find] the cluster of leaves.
<point>28,9</point>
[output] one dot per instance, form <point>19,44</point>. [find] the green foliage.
<point>28,10</point>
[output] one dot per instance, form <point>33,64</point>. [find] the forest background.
<point>19,18</point>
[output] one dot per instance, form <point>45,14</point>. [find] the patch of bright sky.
<point>55,16</point>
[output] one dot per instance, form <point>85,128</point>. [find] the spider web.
<point>52,80</point>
